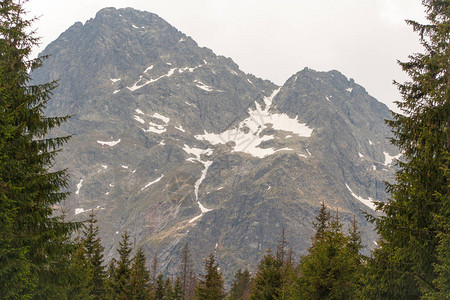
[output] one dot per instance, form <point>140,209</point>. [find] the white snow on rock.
<point>203,86</point>
<point>114,80</point>
<point>181,40</point>
<point>137,86</point>
<point>148,69</point>
<point>388,159</point>
<point>79,185</point>
<point>112,143</point>
<point>247,136</point>
<point>125,167</point>
<point>134,26</point>
<point>374,167</point>
<point>104,167</point>
<point>155,128</point>
<point>79,211</point>
<point>152,182</point>
<point>360,155</point>
<point>203,209</point>
<point>349,90</point>
<point>309,153</point>
<point>370,143</point>
<point>190,104</point>
<point>180,128</point>
<point>367,202</point>
<point>328,98</point>
<point>138,111</point>
<point>116,91</point>
<point>161,117</point>
<point>197,152</point>
<point>139,119</point>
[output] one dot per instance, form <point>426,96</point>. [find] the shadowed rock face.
<point>173,143</point>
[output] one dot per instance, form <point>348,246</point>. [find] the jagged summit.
<point>174,143</point>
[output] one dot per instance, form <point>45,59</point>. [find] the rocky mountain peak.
<point>174,143</point>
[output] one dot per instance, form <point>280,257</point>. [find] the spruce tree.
<point>139,284</point>
<point>123,268</point>
<point>32,237</point>
<point>159,288</point>
<point>177,289</point>
<point>240,288</point>
<point>186,273</point>
<point>210,286</point>
<point>94,256</point>
<point>268,278</point>
<point>331,268</point>
<point>413,225</point>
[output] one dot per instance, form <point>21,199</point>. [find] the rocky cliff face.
<point>174,143</point>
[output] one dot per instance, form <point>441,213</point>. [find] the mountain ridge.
<point>174,143</point>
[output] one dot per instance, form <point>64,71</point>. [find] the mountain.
<point>176,144</point>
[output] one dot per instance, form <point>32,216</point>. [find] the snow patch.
<point>125,167</point>
<point>138,111</point>
<point>368,202</point>
<point>104,167</point>
<point>360,155</point>
<point>114,80</point>
<point>139,119</point>
<point>137,86</point>
<point>181,40</point>
<point>247,136</point>
<point>388,159</point>
<point>79,185</point>
<point>190,104</point>
<point>134,26</point>
<point>161,117</point>
<point>203,86</point>
<point>116,91</point>
<point>370,143</point>
<point>180,128</point>
<point>152,182</point>
<point>79,211</point>
<point>349,89</point>
<point>148,69</point>
<point>112,143</point>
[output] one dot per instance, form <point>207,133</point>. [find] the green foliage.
<point>94,257</point>
<point>35,251</point>
<point>240,288</point>
<point>210,286</point>
<point>139,284</point>
<point>409,261</point>
<point>332,268</point>
<point>268,278</point>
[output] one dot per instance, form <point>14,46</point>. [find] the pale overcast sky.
<point>275,39</point>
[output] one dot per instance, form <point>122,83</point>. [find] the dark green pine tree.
<point>159,288</point>
<point>329,270</point>
<point>110,280</point>
<point>413,225</point>
<point>123,269</point>
<point>168,290</point>
<point>322,221</point>
<point>268,281</point>
<point>177,289</point>
<point>241,286</point>
<point>32,237</point>
<point>139,284</point>
<point>94,257</point>
<point>210,285</point>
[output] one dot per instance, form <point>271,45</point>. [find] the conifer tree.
<point>139,284</point>
<point>177,289</point>
<point>329,271</point>
<point>240,288</point>
<point>267,282</point>
<point>94,256</point>
<point>187,273</point>
<point>168,291</point>
<point>123,269</point>
<point>31,237</point>
<point>210,286</point>
<point>412,227</point>
<point>159,288</point>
